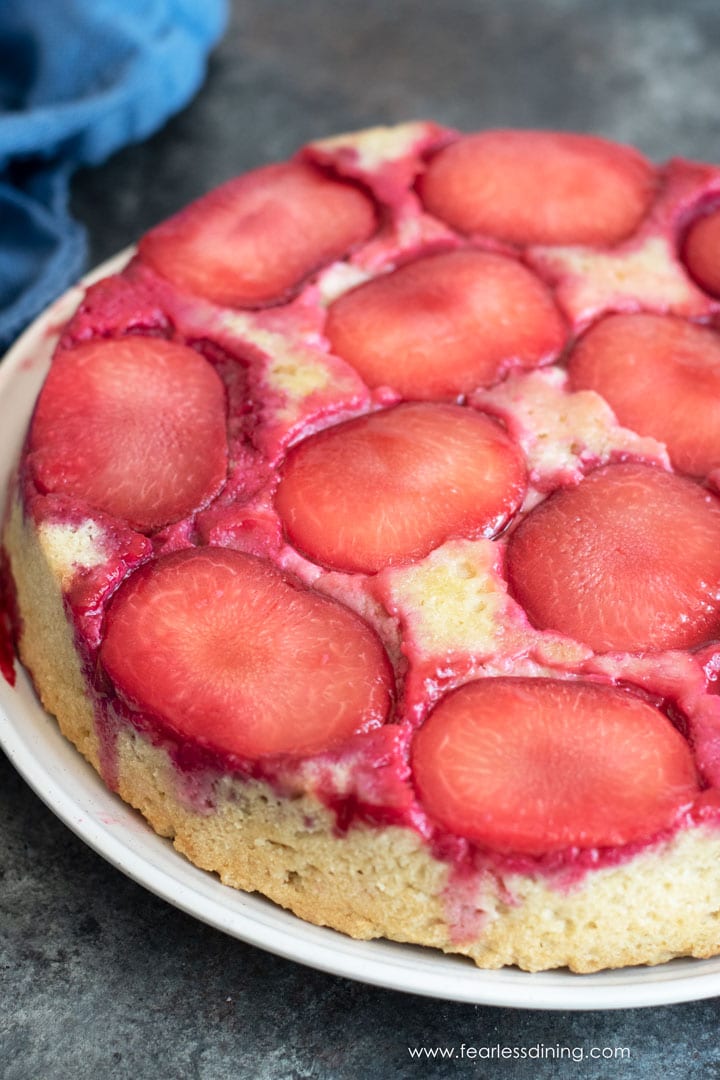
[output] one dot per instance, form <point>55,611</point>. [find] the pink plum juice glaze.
<point>9,620</point>
<point>261,427</point>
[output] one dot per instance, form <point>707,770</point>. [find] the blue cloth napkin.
<point>78,80</point>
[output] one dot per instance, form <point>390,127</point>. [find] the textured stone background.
<point>97,977</point>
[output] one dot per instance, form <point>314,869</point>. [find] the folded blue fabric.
<point>78,80</point>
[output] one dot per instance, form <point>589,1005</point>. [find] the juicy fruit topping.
<point>702,252</point>
<point>537,765</point>
<point>628,560</point>
<point>539,187</point>
<point>393,485</point>
<point>253,240</point>
<point>135,426</point>
<point>661,377</point>
<point>234,655</point>
<point>445,324</point>
<point>231,653</point>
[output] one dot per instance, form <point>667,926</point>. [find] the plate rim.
<point>250,917</point>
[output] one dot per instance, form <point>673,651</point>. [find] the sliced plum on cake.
<point>701,251</point>
<point>626,561</point>
<point>445,324</point>
<point>135,426</point>
<point>253,240</point>
<point>227,651</point>
<point>392,485</point>
<point>661,377</point>
<point>533,766</point>
<point>539,187</point>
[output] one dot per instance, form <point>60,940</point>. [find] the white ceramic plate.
<point>75,793</point>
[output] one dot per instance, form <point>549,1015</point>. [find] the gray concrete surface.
<point>97,977</point>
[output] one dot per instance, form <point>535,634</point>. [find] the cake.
<point>366,539</point>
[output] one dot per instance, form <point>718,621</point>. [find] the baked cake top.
<point>391,472</point>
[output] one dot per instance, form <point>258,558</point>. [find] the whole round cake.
<point>366,539</point>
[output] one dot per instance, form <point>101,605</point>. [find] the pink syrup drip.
<point>107,726</point>
<point>8,623</point>
<point>7,649</point>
